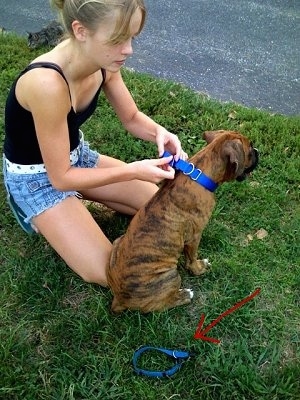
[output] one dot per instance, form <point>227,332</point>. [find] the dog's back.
<point>143,268</point>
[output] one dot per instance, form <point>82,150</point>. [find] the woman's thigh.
<point>75,236</point>
<point>126,197</point>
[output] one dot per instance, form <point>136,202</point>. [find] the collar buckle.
<point>195,178</point>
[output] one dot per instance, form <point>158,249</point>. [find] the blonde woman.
<point>47,163</point>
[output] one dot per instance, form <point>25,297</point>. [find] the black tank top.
<point>21,144</point>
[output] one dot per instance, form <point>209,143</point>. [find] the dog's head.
<point>236,151</point>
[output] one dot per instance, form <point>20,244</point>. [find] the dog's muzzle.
<point>247,171</point>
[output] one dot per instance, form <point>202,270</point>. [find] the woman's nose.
<point>127,48</point>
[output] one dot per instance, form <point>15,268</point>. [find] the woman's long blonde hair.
<point>91,13</point>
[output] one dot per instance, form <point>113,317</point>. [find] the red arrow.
<point>200,334</point>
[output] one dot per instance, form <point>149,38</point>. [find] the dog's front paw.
<point>205,262</point>
<point>199,267</point>
<point>203,265</point>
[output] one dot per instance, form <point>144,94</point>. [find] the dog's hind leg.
<point>174,296</point>
<point>180,298</point>
<point>117,307</point>
<point>169,295</point>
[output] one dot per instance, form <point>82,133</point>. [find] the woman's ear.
<point>79,31</point>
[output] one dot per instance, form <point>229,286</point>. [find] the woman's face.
<point>111,56</point>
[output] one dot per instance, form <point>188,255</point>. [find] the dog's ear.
<point>209,136</point>
<point>233,153</point>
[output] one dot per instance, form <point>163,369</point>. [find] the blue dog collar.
<point>179,356</point>
<point>194,173</point>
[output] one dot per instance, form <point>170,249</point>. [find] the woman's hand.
<point>166,140</point>
<point>154,170</point>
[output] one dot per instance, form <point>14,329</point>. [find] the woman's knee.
<point>92,275</point>
<point>94,279</point>
<point>93,267</point>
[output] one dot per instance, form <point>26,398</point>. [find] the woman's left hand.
<point>166,140</point>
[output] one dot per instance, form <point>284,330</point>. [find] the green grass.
<point>58,338</point>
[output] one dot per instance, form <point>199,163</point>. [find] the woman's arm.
<point>136,122</point>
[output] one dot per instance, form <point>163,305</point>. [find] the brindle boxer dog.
<point>143,271</point>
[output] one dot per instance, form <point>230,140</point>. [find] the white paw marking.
<point>206,262</point>
<point>189,291</point>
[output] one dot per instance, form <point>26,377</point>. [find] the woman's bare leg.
<point>73,233</point>
<point>75,236</point>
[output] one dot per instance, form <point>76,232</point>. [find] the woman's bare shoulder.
<point>42,85</point>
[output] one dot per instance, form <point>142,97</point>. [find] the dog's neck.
<point>195,174</point>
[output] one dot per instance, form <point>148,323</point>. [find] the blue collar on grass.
<point>194,173</point>
<point>179,357</point>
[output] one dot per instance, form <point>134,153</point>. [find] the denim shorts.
<point>34,193</point>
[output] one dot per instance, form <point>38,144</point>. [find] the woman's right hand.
<point>154,170</point>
